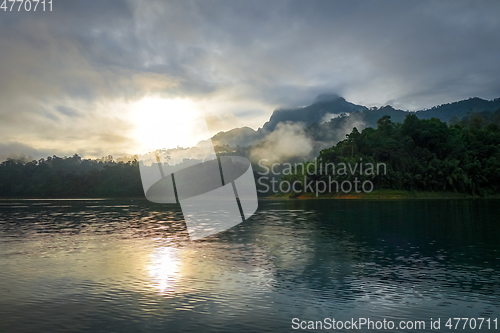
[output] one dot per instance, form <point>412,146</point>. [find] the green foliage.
<point>420,155</point>
<point>66,177</point>
<point>426,154</point>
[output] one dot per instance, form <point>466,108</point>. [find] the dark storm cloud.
<point>286,52</point>
<point>280,53</point>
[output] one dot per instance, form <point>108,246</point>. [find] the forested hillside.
<point>331,115</point>
<point>420,154</point>
<point>425,154</point>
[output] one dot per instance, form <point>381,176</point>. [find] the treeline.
<point>424,154</point>
<point>420,155</point>
<point>70,177</point>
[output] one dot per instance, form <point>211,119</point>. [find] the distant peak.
<point>327,98</point>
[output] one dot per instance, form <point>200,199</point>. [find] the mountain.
<point>460,109</point>
<point>244,136</point>
<point>325,106</point>
<point>330,117</point>
<point>444,112</point>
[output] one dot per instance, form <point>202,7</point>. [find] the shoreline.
<point>374,195</point>
<point>382,195</point>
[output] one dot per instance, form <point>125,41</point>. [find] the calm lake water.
<point>129,266</point>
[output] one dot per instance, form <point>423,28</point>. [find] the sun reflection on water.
<point>164,269</point>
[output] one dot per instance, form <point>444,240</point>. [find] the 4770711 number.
<point>472,323</point>
<point>26,5</point>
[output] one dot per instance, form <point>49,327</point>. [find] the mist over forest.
<point>428,150</point>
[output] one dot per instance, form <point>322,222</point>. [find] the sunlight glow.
<point>164,269</point>
<point>163,123</point>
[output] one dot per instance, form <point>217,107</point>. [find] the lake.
<point>129,266</point>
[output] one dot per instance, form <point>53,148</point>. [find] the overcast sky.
<point>70,79</point>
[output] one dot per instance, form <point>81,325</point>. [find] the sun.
<point>165,123</point>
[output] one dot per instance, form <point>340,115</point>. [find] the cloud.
<point>329,116</point>
<point>223,122</point>
<point>62,73</point>
<point>20,151</point>
<point>353,120</point>
<point>288,141</point>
